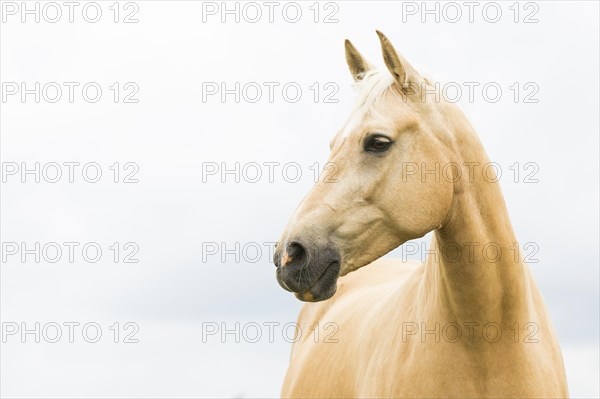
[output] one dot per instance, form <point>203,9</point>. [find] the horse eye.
<point>377,143</point>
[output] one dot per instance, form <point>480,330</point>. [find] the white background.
<point>170,133</point>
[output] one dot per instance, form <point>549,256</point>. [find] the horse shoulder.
<point>344,325</point>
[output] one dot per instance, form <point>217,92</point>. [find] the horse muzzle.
<point>309,271</point>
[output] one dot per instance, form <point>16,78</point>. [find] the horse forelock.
<point>370,89</point>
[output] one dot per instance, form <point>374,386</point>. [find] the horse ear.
<point>402,71</point>
<point>357,64</point>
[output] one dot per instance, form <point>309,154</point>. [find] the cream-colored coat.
<point>470,321</point>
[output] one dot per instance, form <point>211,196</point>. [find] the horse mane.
<point>371,87</point>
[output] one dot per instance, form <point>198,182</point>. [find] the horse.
<point>469,321</point>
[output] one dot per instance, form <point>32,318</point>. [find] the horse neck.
<point>473,281</point>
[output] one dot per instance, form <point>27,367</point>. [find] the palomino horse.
<point>470,321</point>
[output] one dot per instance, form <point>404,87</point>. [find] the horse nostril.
<point>295,254</point>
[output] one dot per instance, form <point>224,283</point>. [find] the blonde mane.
<point>370,89</point>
